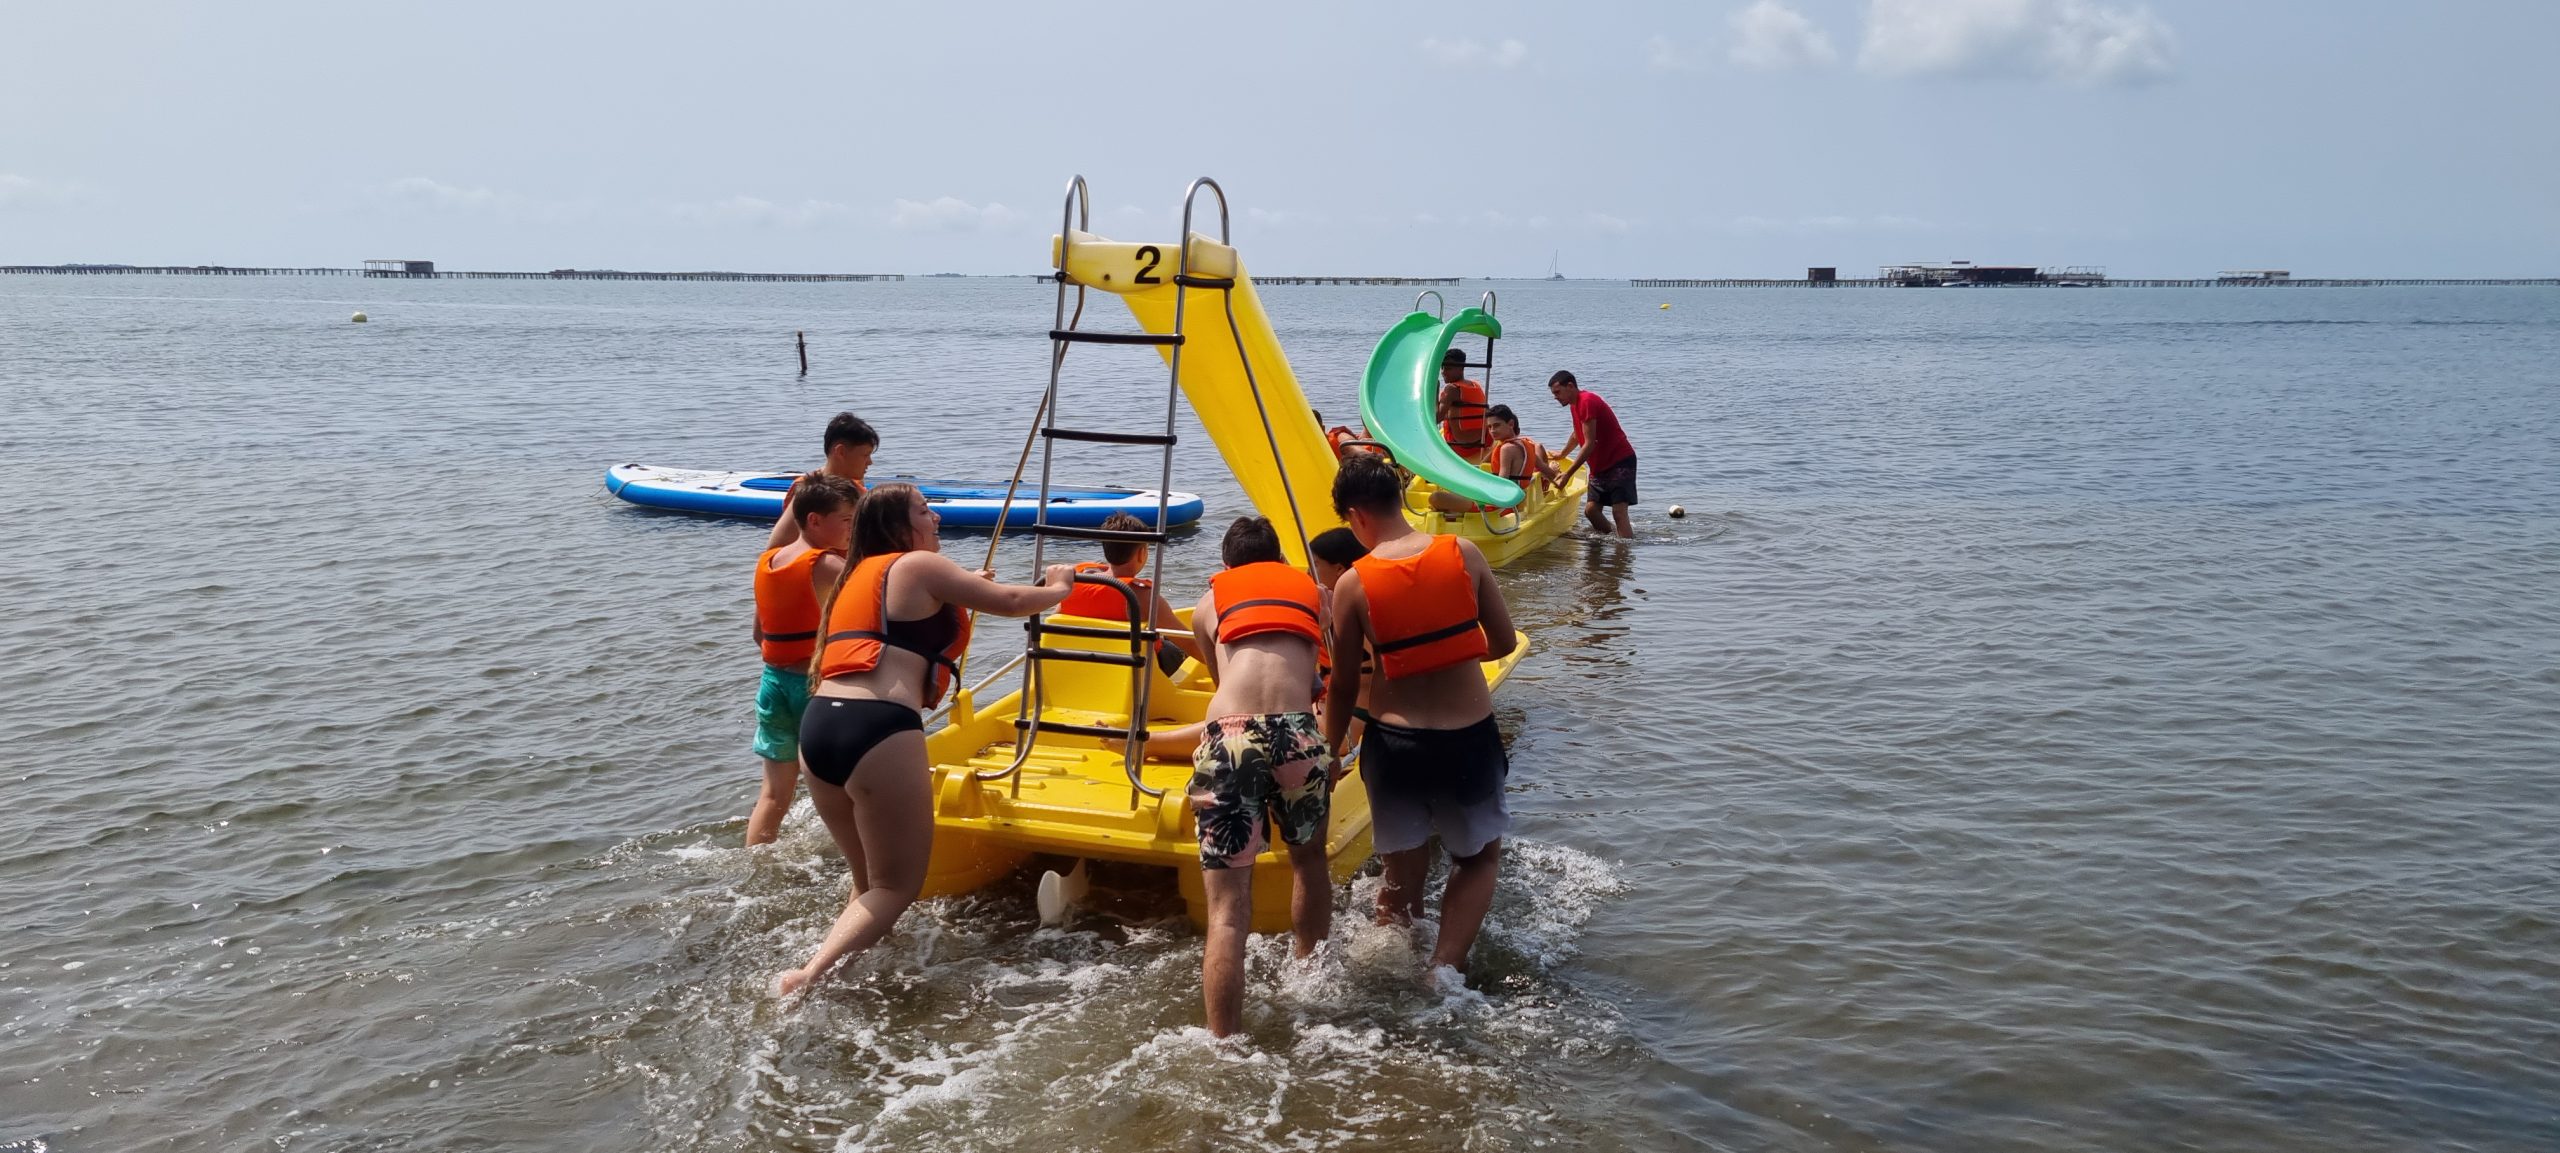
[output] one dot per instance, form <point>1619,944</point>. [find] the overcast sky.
<point>2179,137</point>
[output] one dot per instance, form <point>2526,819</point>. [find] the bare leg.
<point>1222,955</point>
<point>1624,528</point>
<point>1451,504</point>
<point>1463,905</point>
<point>892,799</point>
<point>1400,891</point>
<point>1591,512</point>
<point>1310,897</point>
<point>835,810</point>
<point>781,783</point>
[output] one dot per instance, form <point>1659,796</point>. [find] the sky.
<point>1716,138</point>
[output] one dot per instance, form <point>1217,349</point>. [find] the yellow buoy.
<point>1666,304</point>
<point>359,317</point>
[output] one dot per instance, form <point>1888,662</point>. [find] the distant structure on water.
<point>415,269</point>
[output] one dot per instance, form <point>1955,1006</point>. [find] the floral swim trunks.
<point>1253,766</point>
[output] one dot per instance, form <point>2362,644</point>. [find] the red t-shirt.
<point>1609,448</point>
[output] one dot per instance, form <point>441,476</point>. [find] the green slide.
<point>1400,399</point>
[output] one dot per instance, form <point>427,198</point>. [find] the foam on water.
<point>972,1028</point>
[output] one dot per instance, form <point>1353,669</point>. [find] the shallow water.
<point>2091,720</point>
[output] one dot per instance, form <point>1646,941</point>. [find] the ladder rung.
<point>1030,724</point>
<point>1089,435</point>
<point>1089,656</point>
<point>1078,532</point>
<point>1189,281</point>
<point>1078,336</point>
<point>1479,364</point>
<point>1097,632</point>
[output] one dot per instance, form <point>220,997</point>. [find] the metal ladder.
<point>1141,633</point>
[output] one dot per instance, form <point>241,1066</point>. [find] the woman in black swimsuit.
<point>893,628</point>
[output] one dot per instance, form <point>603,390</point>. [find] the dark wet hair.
<point>1368,483</point>
<point>1249,541</point>
<point>821,493</point>
<point>1562,377</point>
<point>1454,358</point>
<point>1503,413</point>
<point>1121,552</point>
<point>1337,546</point>
<point>847,428</point>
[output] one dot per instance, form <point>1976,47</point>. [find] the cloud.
<point>1604,222</point>
<point>420,190</point>
<point>28,192</point>
<point>760,213</point>
<point>1470,53</point>
<point>1662,55</point>
<point>1818,225</point>
<point>1772,37</point>
<point>2075,41</point>
<point>950,214</point>
<point>1277,218</point>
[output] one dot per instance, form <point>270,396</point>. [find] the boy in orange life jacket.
<point>1261,759</point>
<point>790,580</point>
<point>1432,757</point>
<point>1461,408</point>
<point>849,443</point>
<point>1124,560</point>
<point>1331,554</point>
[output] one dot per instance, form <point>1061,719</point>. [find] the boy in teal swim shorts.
<point>792,580</point>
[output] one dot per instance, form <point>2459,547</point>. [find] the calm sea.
<point>2065,721</point>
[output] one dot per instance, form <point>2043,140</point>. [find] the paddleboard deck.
<point>962,503</point>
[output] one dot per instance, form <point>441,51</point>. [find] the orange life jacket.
<point>1101,602</point>
<point>1464,430</point>
<point>1267,597</point>
<point>1339,434</point>
<point>859,630</point>
<point>1528,462</point>
<point>787,608</point>
<point>1423,609</point>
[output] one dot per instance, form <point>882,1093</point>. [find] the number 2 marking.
<point>1153,256</point>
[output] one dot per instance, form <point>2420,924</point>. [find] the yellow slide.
<point>1233,372</point>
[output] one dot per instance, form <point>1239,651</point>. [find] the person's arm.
<point>1447,407</point>
<point>1494,613</point>
<point>1546,469</point>
<point>1170,628</point>
<point>1342,692</point>
<point>824,573</point>
<point>787,529</point>
<point>1204,634</point>
<point>1586,434</point>
<point>953,585</point>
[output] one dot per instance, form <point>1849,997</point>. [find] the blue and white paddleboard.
<point>962,503</point>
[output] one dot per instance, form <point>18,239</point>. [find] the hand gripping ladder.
<point>1141,633</point>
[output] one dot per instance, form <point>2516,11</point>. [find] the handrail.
<point>972,690</point>
<point>1442,312</point>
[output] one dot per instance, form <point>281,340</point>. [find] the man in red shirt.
<point>1604,447</point>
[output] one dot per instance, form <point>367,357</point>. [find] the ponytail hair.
<point>879,528</point>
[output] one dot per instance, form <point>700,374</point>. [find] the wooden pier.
<point>554,274</point>
<point>1360,280</point>
<point>2116,282</point>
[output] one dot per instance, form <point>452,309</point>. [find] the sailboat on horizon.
<point>1552,274</point>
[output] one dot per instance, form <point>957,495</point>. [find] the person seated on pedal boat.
<point>1461,407</point>
<point>1123,560</point>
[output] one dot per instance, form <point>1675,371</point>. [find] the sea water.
<point>2066,720</point>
